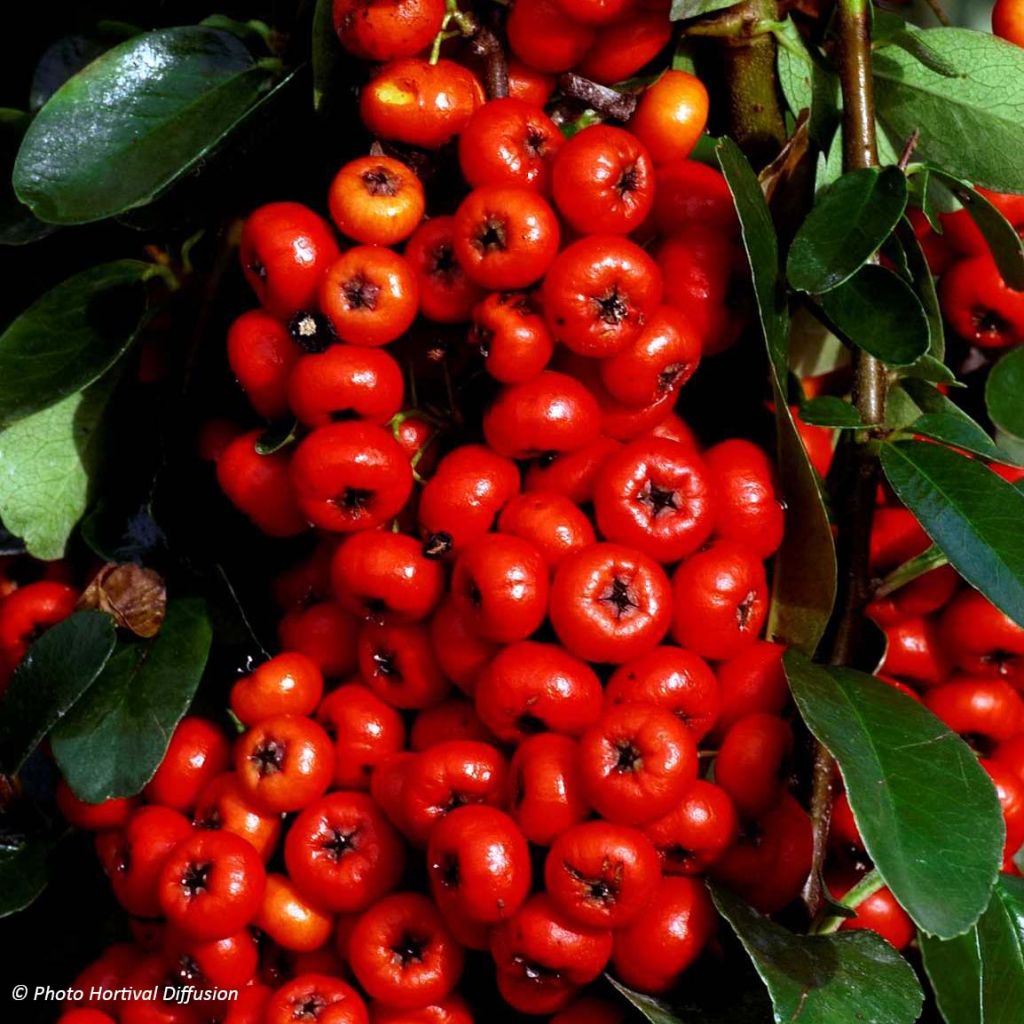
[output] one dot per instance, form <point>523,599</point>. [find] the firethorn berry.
<point>211,885</point>
<point>750,681</point>
<point>753,762</point>
<point>687,194</point>
<point>398,663</point>
<point>345,382</point>
<point>500,585</point>
<point>383,31</point>
<point>1011,753</point>
<point>747,507</point>
<point>570,473</point>
<point>108,814</point>
<point>365,729</point>
<point>878,912</point>
<point>454,719</point>
<point>261,354</point>
<point>671,116</point>
<point>843,833</point>
<point>599,293</point>
<point>610,603</point>
<point>636,763</point>
<point>651,953</point>
<point>601,874</point>
<point>370,295</point>
<point>545,791</point>
<point>595,12</point>
<point>419,103</point>
<point>981,639</point>
<point>551,412</point>
<point>697,832</point>
<point>672,428</point>
<point>915,650</point>
<point>446,776</point>
<point>460,653</point>
<point>284,762</point>
<point>461,500</point>
<point>1010,790</point>
<point>673,679</point>
<point>325,634</point>
<point>402,953</point>
<point>249,1006</point>
<point>342,854</point>
<point>512,336</point>
<point>589,1010</point>
<point>198,752</point>
<point>654,495</point>
<point>133,858</point>
<point>222,805</point>
<point>1008,21</point>
<point>152,972</point>
<point>552,523</point>
<point>469,934</point>
<point>350,476</point>
<point>376,200</point>
<point>979,304</point>
<point>660,359</point>
<point>505,236</point>
<point>622,49</point>
<point>531,687</point>
<point>383,575</point>
<point>288,684</point>
<point>230,962</point>
<point>29,610</point>
<point>85,1015</point>
<point>450,1010</point>
<point>447,295</point>
<point>986,711</point>
<point>316,997</point>
<point>258,486</point>
<point>546,39</point>
<point>543,958</point>
<point>629,422</point>
<point>896,536</point>
<point>285,250</point>
<point>603,181</point>
<point>528,84</point>
<point>105,974</point>
<point>478,861</point>
<point>720,600</point>
<point>509,141</point>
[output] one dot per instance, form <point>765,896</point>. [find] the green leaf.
<point>1004,391</point>
<point>915,789</point>
<point>18,226</point>
<point>23,874</point>
<point>1001,951</point>
<point>912,40</point>
<point>147,111</point>
<point>846,226</point>
<point>113,740</point>
<point>829,411</point>
<point>877,311</point>
<point>824,979</point>
<point>59,667</point>
<point>650,1008</point>
<point>327,53</point>
<point>924,286</point>
<point>984,101</point>
<point>804,581</point>
<point>953,967</point>
<point>913,568</point>
<point>806,83</point>
<point>682,9</point>
<point>71,336</point>
<point>47,464</point>
<point>971,513</point>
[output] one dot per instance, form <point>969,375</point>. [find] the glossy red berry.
<point>198,752</point>
<point>398,663</point>
<point>261,354</point>
<point>288,684</point>
<point>366,730</point>
<point>377,200</point>
<point>545,789</point>
<point>697,832</point>
<point>552,523</point>
<point>380,31</point>
<point>512,337</point>
<point>345,382</point>
<point>446,293</point>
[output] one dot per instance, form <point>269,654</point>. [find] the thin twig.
<point>908,149</point>
<point>606,101</point>
<point>486,44</point>
<point>939,11</point>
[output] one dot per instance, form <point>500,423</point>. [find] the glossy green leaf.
<point>953,967</point>
<point>846,226</point>
<point>971,513</point>
<point>915,788</point>
<point>824,979</point>
<point>806,82</point>
<point>650,1008</point>
<point>829,411</point>
<point>23,874</point>
<point>113,740</point>
<point>877,311</point>
<point>18,225</point>
<point>71,336</point>
<point>924,286</point>
<point>1001,951</point>
<point>804,581</point>
<point>682,9</point>
<point>149,108</point>
<point>48,462</point>
<point>971,123</point>
<point>1004,393</point>
<point>59,667</point>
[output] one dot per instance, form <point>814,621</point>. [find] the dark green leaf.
<point>829,411</point>
<point>924,285</point>
<point>59,667</point>
<point>650,1008</point>
<point>984,101</point>
<point>149,108</point>
<point>804,581</point>
<point>806,82</point>
<point>877,311</point>
<point>276,437</point>
<point>912,569</point>
<point>954,969</point>
<point>825,979</point>
<point>931,369</point>
<point>682,9</point>
<point>1001,951</point>
<point>1004,393</point>
<point>971,513</point>
<point>846,227</point>
<point>71,336</point>
<point>68,55</point>
<point>327,53</point>
<point>23,875</point>
<point>113,740</point>
<point>18,225</point>
<point>913,41</point>
<point>915,788</point>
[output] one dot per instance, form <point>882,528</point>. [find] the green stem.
<point>867,886</point>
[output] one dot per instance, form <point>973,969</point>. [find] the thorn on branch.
<point>606,101</point>
<point>908,149</point>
